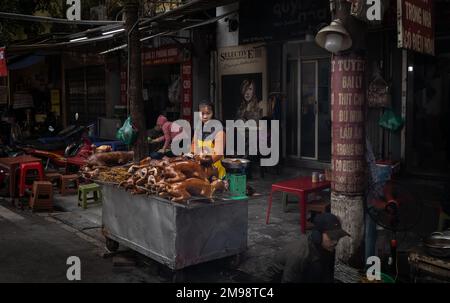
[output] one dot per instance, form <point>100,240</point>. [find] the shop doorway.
<point>308,112</point>
<point>428,126</point>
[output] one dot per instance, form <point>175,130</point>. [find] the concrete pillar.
<point>348,137</point>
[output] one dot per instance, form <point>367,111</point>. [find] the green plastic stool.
<point>238,186</point>
<point>83,197</point>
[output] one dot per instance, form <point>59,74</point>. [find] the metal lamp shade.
<point>337,28</point>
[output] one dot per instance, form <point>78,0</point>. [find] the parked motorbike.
<point>75,143</point>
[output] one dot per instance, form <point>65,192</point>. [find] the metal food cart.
<point>176,235</point>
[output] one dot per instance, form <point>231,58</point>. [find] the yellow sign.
<point>55,97</point>
<point>56,109</point>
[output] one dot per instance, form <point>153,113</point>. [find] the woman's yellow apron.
<point>209,145</point>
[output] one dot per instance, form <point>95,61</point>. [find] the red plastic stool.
<point>24,169</point>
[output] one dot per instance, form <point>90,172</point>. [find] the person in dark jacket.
<point>309,259</point>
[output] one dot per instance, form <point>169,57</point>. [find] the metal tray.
<point>438,244</point>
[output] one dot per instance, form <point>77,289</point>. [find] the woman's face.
<point>206,113</point>
<point>248,95</point>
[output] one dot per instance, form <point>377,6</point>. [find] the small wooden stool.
<point>69,184</point>
<point>54,178</point>
<point>42,196</point>
<point>83,191</point>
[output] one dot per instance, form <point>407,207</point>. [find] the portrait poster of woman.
<point>242,97</point>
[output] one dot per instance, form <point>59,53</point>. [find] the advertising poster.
<point>243,78</point>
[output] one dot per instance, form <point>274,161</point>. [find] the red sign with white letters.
<point>416,25</point>
<point>186,97</point>
<point>3,67</point>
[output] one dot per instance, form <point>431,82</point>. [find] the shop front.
<point>85,87</point>
<point>298,77</point>
<point>428,78</point>
<point>30,92</point>
<point>167,83</point>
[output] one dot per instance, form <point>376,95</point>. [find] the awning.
<point>26,62</point>
<point>159,25</point>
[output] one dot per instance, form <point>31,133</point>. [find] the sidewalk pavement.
<point>264,241</point>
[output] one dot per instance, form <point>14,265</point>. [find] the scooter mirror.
<point>50,128</point>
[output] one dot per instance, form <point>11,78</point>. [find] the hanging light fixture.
<point>334,37</point>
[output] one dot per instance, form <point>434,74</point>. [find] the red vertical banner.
<point>347,117</point>
<point>3,67</point>
<point>186,92</point>
<point>123,85</point>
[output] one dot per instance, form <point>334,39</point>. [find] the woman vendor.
<point>211,151</point>
<point>170,131</point>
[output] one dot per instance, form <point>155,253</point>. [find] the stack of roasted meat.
<point>177,179</point>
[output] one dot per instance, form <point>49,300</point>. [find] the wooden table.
<point>11,164</point>
<point>301,187</point>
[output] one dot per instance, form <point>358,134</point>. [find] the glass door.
<point>308,116</point>
<point>292,115</point>
<point>308,130</point>
<point>324,110</point>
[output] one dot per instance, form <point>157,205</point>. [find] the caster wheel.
<point>112,245</point>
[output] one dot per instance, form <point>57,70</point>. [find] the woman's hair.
<point>245,85</point>
<point>206,103</point>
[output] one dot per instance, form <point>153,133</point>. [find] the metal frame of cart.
<point>176,235</point>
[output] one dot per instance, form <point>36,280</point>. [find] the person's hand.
<point>162,150</point>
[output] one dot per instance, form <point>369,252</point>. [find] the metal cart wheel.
<point>112,245</point>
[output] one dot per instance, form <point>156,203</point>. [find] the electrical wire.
<point>396,266</point>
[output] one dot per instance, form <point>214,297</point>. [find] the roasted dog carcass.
<point>109,159</point>
<point>182,191</point>
<point>176,178</point>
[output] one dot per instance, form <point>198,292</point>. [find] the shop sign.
<point>347,116</point>
<point>416,25</point>
<point>55,99</point>
<point>3,67</point>
<point>186,78</point>
<point>243,71</point>
<point>163,55</point>
<point>277,20</point>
